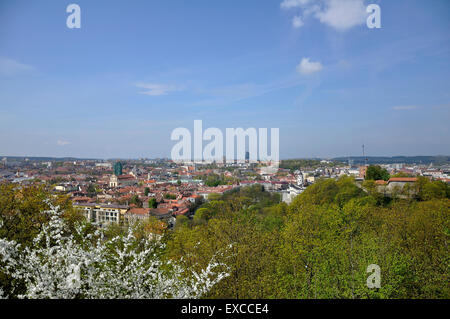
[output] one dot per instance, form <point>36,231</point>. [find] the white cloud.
<point>297,22</point>
<point>307,67</point>
<point>287,4</point>
<point>343,14</point>
<point>12,67</point>
<point>312,9</point>
<point>404,107</point>
<point>62,143</point>
<point>154,89</point>
<point>338,14</point>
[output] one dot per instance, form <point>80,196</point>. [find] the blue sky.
<point>136,70</point>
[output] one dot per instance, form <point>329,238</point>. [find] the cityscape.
<point>116,190</point>
<point>224,159</point>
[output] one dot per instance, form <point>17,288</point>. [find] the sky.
<point>136,70</point>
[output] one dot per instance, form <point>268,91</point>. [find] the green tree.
<point>152,203</point>
<point>435,189</point>
<point>91,189</point>
<point>170,196</point>
<point>376,172</point>
<point>22,214</point>
<point>330,191</point>
<point>181,221</point>
<point>402,174</point>
<point>136,201</point>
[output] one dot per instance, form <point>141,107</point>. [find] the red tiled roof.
<point>159,211</point>
<point>82,199</point>
<point>125,177</point>
<point>182,212</point>
<point>138,211</point>
<point>403,179</point>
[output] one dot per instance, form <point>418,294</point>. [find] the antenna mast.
<point>364,155</point>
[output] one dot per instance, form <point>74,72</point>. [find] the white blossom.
<point>58,266</point>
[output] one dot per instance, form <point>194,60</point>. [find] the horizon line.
<point>167,158</point>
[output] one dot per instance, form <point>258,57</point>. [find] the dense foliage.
<point>376,172</point>
<point>213,180</point>
<point>73,260</point>
<point>298,164</point>
<point>319,246</point>
<point>152,203</point>
<point>412,160</point>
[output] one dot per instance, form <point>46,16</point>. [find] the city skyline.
<point>118,86</point>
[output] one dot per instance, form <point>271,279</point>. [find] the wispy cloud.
<point>297,22</point>
<point>404,107</point>
<point>343,15</point>
<point>155,89</point>
<point>287,4</point>
<point>307,67</point>
<point>338,14</point>
<point>62,143</point>
<point>12,67</point>
<point>227,95</point>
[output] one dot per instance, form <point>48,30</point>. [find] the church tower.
<point>299,176</point>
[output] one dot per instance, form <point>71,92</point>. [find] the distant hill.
<point>424,160</point>
<point>287,163</point>
<point>44,159</point>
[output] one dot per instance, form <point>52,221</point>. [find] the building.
<point>289,194</point>
<point>362,171</point>
<point>118,169</point>
<point>122,180</point>
<point>294,189</point>
<point>299,177</point>
<point>135,214</point>
<point>354,171</point>
<point>161,212</point>
<point>399,182</point>
<point>60,188</point>
<point>104,165</point>
<point>102,214</point>
<point>113,181</point>
<point>310,179</point>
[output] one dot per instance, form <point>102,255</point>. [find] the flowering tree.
<point>60,265</point>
